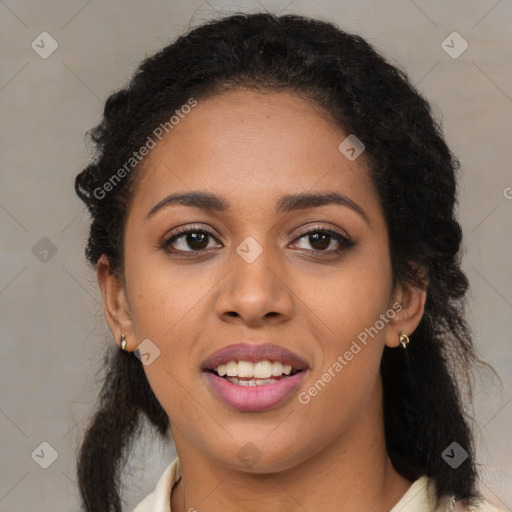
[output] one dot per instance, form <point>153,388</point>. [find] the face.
<point>256,263</point>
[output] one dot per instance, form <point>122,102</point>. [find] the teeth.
<point>254,382</point>
<point>245,369</point>
<point>277,369</point>
<point>232,369</point>
<point>260,369</point>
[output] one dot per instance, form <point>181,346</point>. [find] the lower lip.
<point>255,398</point>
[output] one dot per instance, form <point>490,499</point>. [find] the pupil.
<point>320,238</point>
<point>196,240</point>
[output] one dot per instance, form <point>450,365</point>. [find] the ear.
<point>409,304</point>
<point>115,302</point>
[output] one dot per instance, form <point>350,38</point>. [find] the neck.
<point>353,472</point>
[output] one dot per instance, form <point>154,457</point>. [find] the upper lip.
<point>253,353</point>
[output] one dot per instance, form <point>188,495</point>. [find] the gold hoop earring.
<point>403,338</point>
<point>123,343</point>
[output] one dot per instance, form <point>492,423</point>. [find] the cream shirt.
<point>418,498</point>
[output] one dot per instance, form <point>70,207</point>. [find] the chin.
<point>260,457</point>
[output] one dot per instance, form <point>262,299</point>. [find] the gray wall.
<point>53,332</point>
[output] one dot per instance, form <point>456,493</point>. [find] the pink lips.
<point>253,353</point>
<point>254,398</point>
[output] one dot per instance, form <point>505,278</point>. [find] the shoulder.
<point>421,497</point>
<point>160,499</point>
<point>477,505</point>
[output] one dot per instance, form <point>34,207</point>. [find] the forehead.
<point>254,148</point>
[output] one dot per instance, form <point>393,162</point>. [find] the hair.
<point>413,171</point>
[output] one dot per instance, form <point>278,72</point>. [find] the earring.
<point>403,338</point>
<point>123,342</point>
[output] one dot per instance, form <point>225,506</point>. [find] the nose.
<point>257,292</point>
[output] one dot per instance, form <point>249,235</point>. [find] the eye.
<point>189,239</point>
<point>320,239</point>
<point>196,239</point>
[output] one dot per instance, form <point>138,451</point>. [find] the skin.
<point>252,148</point>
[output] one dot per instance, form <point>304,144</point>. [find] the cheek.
<point>164,298</point>
<point>349,308</point>
<point>348,301</point>
<point>170,307</point>
<point>166,307</point>
<point>346,379</point>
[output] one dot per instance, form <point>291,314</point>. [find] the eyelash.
<point>344,242</point>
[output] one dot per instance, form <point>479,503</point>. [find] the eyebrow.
<point>287,203</point>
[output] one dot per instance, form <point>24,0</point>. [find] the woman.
<point>274,236</point>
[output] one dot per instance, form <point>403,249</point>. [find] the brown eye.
<point>189,240</point>
<point>196,240</point>
<point>321,239</point>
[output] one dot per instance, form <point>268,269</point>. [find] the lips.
<point>263,395</point>
<point>254,353</point>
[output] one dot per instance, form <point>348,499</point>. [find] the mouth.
<point>259,373</point>
<point>254,377</point>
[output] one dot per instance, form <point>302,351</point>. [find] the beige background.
<point>53,332</point>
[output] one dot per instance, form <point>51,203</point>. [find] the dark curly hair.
<point>413,171</point>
